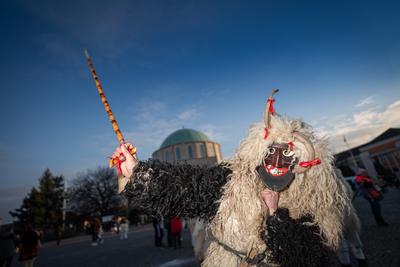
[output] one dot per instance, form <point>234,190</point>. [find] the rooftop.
<point>183,136</point>
<point>389,133</point>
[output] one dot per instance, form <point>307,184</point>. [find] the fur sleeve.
<point>294,242</point>
<point>176,190</point>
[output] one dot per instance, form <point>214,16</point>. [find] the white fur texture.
<point>242,212</point>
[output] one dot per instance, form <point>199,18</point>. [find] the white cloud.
<point>359,127</point>
<point>366,118</point>
<point>392,114</point>
<point>365,102</point>
<point>211,131</point>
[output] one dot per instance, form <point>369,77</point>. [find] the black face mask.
<point>276,170</point>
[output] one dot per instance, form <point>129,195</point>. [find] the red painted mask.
<point>276,170</point>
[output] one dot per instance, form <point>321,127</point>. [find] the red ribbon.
<point>306,164</point>
<point>117,161</point>
<point>271,102</point>
<point>291,145</point>
<point>271,110</point>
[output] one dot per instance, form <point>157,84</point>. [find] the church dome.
<point>184,136</point>
<point>189,146</point>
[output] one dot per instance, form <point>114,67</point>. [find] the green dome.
<point>184,135</point>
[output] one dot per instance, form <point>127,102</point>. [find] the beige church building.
<point>190,146</point>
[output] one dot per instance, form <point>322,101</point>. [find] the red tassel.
<point>271,102</point>
<point>266,134</point>
<point>119,170</point>
<point>306,164</point>
<point>117,162</point>
<point>291,145</point>
<point>272,111</point>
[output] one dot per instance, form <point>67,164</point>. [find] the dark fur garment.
<point>294,242</point>
<point>177,190</point>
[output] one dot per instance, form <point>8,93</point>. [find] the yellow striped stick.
<point>132,149</point>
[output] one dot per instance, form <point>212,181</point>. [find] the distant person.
<point>371,194</point>
<point>176,229</point>
<point>351,243</point>
<point>115,225</point>
<point>96,227</point>
<point>167,227</point>
<point>59,232</point>
<point>142,220</point>
<point>86,226</point>
<point>158,231</point>
<point>162,227</point>
<point>386,176</point>
<point>124,228</point>
<point>7,246</point>
<point>28,250</point>
<point>100,234</point>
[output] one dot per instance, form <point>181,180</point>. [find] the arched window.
<point>190,152</point>
<point>203,151</point>
<point>178,153</point>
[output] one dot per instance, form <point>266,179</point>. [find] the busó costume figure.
<point>277,202</point>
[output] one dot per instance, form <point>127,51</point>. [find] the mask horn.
<point>309,148</point>
<point>269,108</point>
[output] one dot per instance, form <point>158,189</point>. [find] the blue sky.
<point>207,65</point>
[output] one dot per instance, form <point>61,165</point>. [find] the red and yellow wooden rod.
<point>132,150</point>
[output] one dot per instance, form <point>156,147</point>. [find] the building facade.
<point>380,156</point>
<point>189,146</point>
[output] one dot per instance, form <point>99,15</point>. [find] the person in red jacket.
<point>176,229</point>
<point>373,196</point>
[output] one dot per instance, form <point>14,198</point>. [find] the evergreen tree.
<point>51,195</point>
<point>26,213</point>
<point>43,207</point>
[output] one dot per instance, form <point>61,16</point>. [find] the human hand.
<point>271,199</point>
<point>128,162</point>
